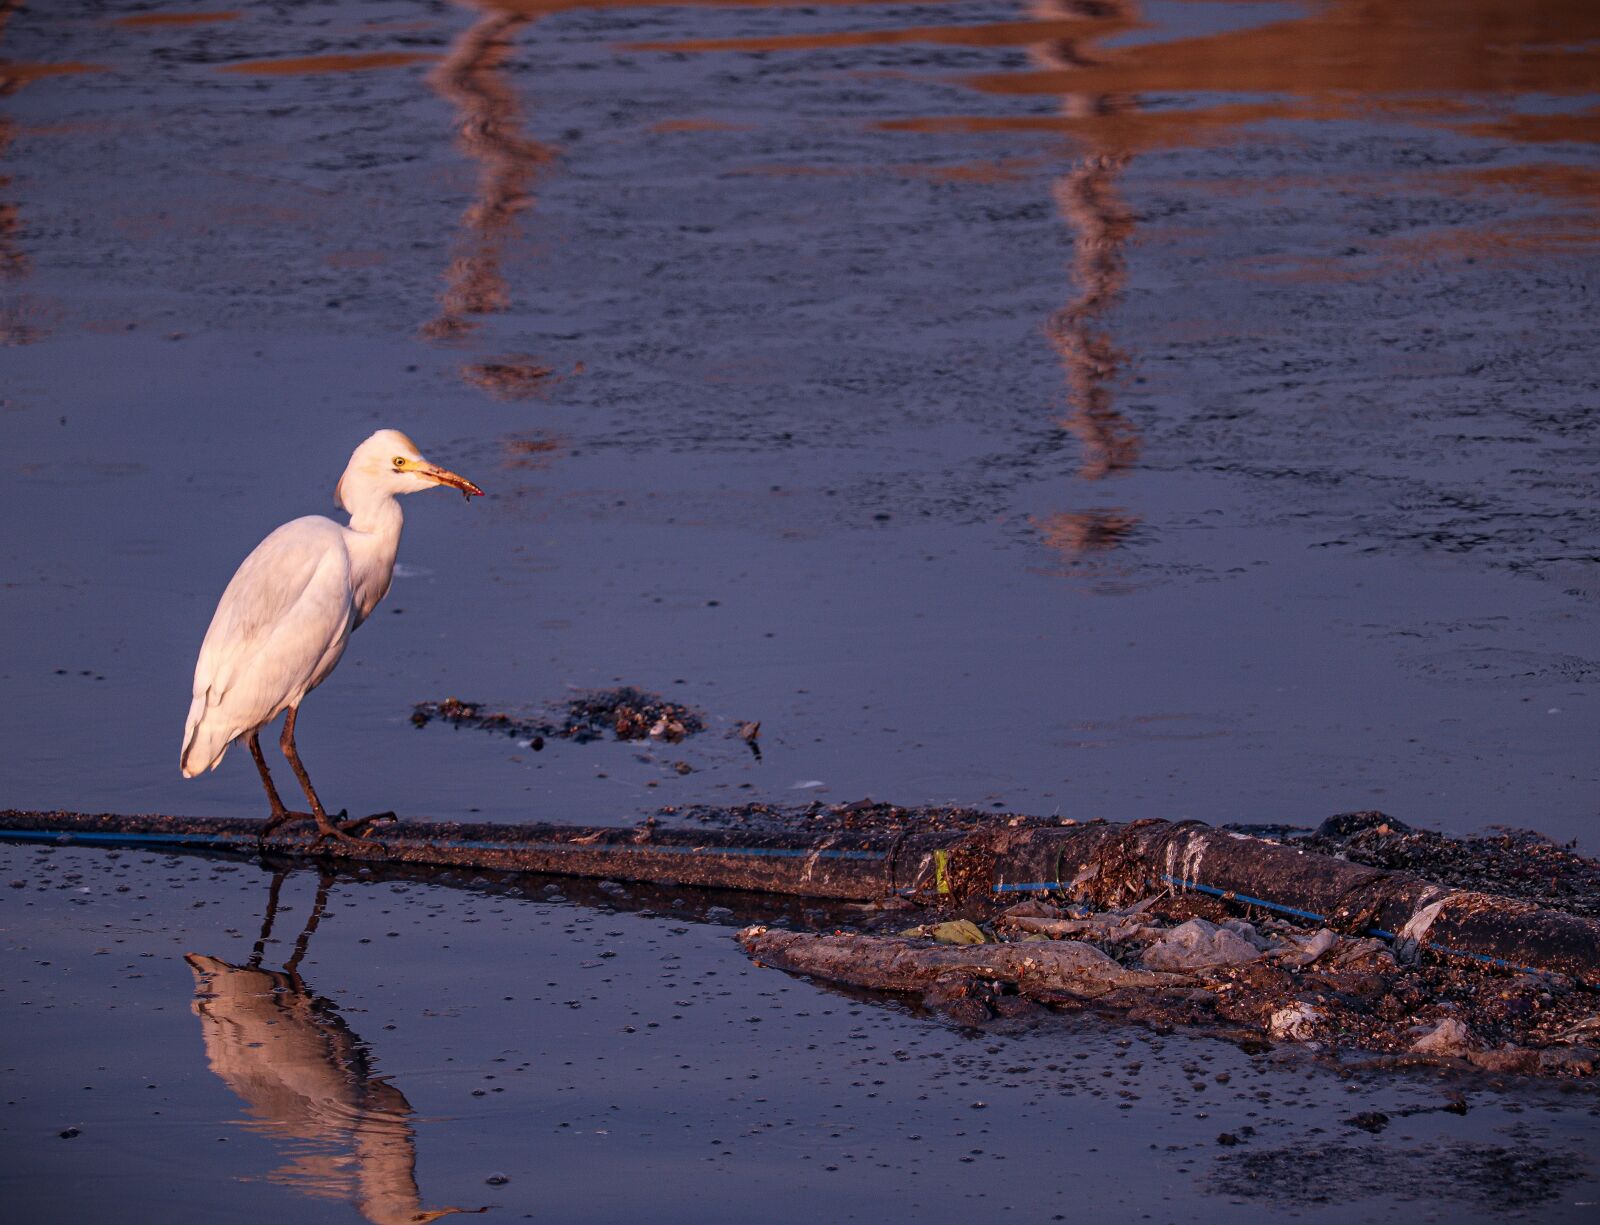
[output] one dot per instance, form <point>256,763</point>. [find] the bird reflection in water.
<point>305,1078</point>
<point>489,121</point>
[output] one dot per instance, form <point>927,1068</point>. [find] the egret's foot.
<point>329,830</point>
<point>281,818</point>
<point>334,834</point>
<point>363,825</point>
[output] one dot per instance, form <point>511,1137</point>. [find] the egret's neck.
<point>375,512</point>
<point>375,523</point>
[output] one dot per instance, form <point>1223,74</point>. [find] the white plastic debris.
<point>1248,932</point>
<point>1199,945</point>
<point>1304,950</point>
<point>1296,1023</point>
<point>1449,1037</point>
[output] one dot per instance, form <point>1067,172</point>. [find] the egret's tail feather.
<point>204,743</point>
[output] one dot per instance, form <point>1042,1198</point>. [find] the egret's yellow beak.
<point>445,477</point>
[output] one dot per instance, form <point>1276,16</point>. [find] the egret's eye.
<point>399,461</point>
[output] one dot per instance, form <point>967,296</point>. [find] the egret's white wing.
<point>280,626</point>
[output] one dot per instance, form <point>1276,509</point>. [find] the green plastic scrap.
<point>957,931</point>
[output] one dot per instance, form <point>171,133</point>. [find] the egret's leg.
<point>286,743</point>
<point>328,828</point>
<point>280,814</point>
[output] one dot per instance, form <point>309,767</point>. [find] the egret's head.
<point>389,463</point>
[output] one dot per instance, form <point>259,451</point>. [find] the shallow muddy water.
<point>1146,408</point>
<point>615,1057</point>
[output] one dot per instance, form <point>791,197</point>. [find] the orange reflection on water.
<point>1076,533</point>
<point>1570,223</point>
<point>666,126</point>
<point>990,34</point>
<point>1006,170</point>
<point>542,8</point>
<point>1486,243</point>
<point>1415,59</point>
<point>1355,47</point>
<point>1582,127</point>
<point>518,377</point>
<point>489,124</point>
<point>1552,180</point>
<point>1060,35</point>
<point>13,76</point>
<point>1489,242</point>
<point>530,451</point>
<point>13,262</point>
<point>307,1081</point>
<point>15,326</point>
<point>1087,199</point>
<point>141,21</point>
<point>1127,130</point>
<point>301,65</point>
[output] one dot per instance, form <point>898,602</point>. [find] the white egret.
<point>288,612</point>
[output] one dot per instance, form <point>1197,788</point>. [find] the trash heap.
<point>1177,959</point>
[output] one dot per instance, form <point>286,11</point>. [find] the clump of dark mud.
<point>625,713</point>
<point>1512,862</point>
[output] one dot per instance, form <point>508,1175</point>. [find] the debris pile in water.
<point>1257,983</point>
<point>625,713</point>
<point>1175,958</point>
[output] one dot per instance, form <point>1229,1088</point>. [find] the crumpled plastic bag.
<point>956,931</point>
<point>1198,945</point>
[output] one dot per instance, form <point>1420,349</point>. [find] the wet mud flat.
<point>591,1050</point>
